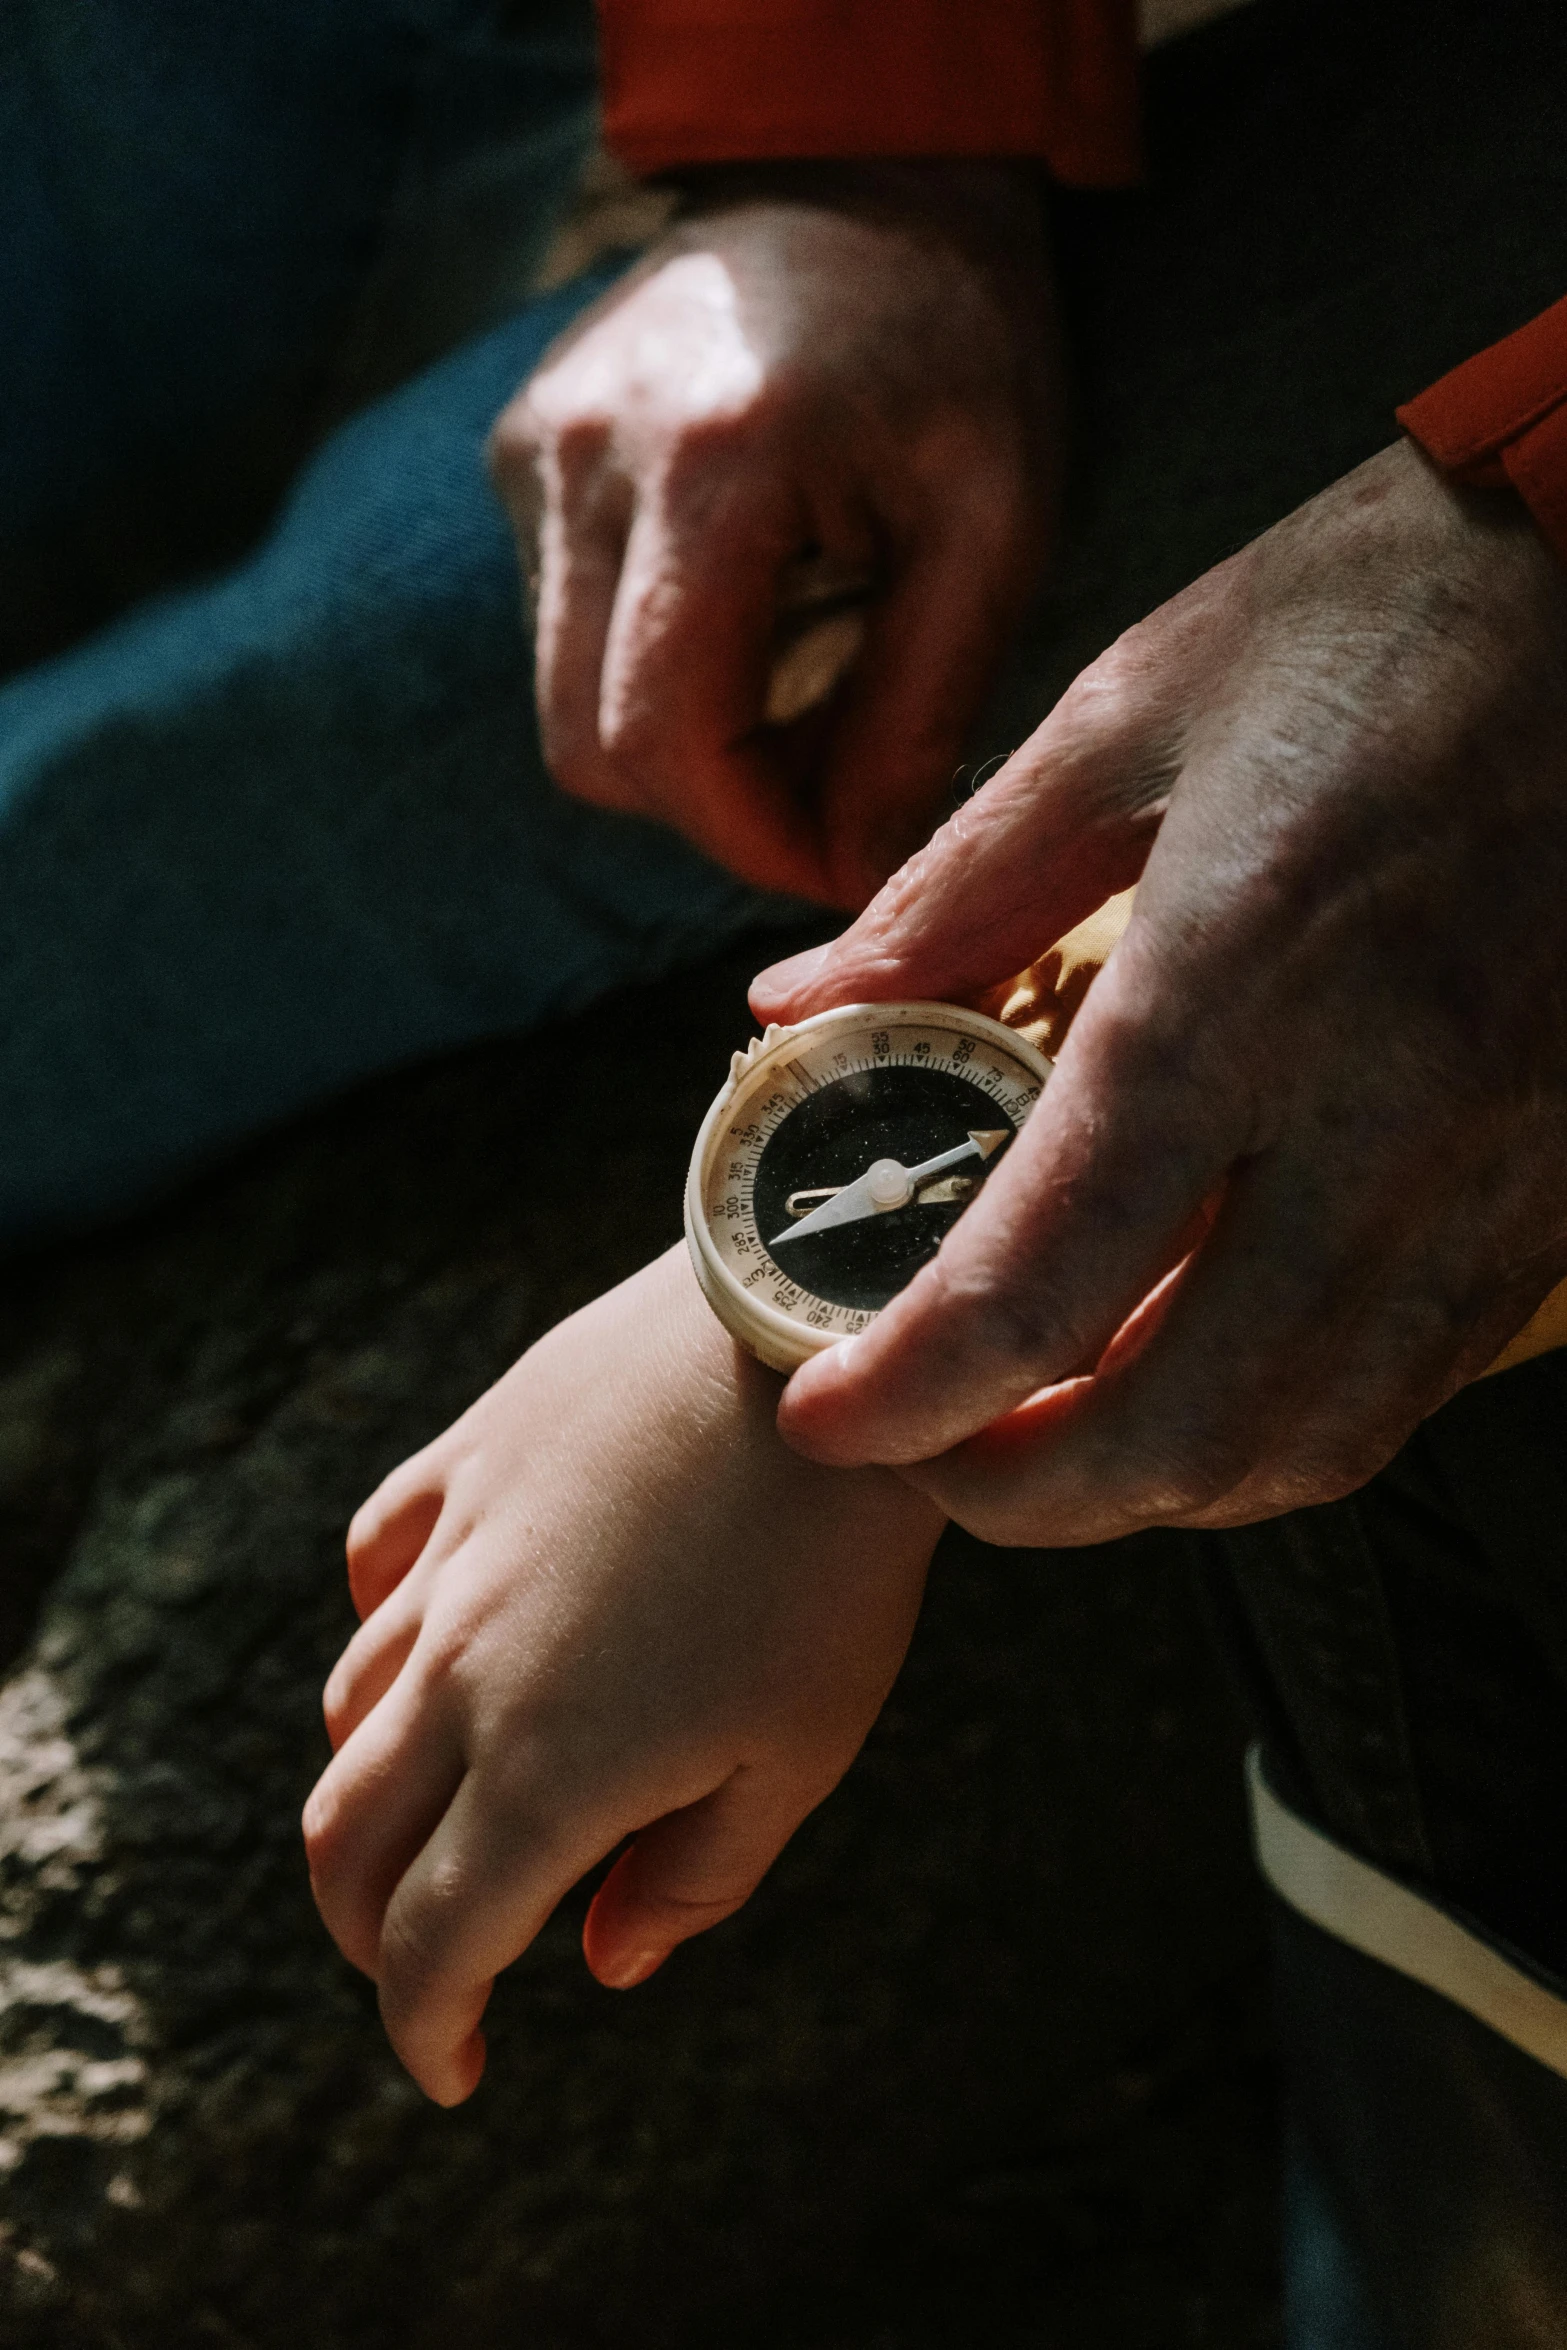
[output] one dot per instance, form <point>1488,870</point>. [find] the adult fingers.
<point>469,1903</point>
<point>685,1873</point>
<point>1404,1358</point>
<point>372,1809</point>
<point>588,504</point>
<point>1424,1317</point>
<point>389,1531</point>
<point>1294,1356</point>
<point>1085,1214</point>
<point>1065,824</point>
<point>898,734</point>
<point>685,679</point>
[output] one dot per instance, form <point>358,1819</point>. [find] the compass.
<point>839,1156</point>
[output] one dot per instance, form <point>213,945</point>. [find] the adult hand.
<point>1302,1169</point>
<point>832,383</point>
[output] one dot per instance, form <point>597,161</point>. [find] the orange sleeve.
<point>719,81</point>
<point>1502,417</point>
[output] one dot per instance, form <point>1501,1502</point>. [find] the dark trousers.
<point>1405,1655</point>
<point>1343,202</point>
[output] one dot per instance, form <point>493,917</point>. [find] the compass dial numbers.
<point>813,1121</point>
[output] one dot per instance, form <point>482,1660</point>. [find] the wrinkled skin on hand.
<point>1302,1170</point>
<point>607,1604</point>
<point>839,373</point>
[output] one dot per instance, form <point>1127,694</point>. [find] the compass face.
<point>848,1151</point>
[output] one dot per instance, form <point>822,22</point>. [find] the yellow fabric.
<point>1042,1002</point>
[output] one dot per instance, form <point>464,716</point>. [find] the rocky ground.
<point>986,2061</point>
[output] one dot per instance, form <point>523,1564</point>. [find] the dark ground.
<point>986,2060</point>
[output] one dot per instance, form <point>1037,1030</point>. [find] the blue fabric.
<point>266,835</point>
<point>1325,2305</point>
<point>193,191</point>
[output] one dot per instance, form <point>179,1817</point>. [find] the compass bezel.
<point>776,1338</point>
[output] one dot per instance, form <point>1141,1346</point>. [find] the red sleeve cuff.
<point>718,81</point>
<point>1502,417</point>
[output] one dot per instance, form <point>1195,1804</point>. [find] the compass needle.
<point>845,1207</point>
<point>889,1185</point>
<point>868,1091</point>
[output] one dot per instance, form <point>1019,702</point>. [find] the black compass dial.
<point>832,1137</point>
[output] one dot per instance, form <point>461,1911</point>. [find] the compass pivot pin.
<point>888,1183</point>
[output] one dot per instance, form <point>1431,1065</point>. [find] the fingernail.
<point>793,972</point>
<point>633,1968</point>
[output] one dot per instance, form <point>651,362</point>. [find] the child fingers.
<point>470,1903</point>
<point>686,1872</point>
<point>389,1531</point>
<point>373,1658</point>
<point>370,1812</point>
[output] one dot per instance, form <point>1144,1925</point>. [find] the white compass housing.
<point>837,1157</point>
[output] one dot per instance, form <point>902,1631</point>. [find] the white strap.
<point>1348,1898</point>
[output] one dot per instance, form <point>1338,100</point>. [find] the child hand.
<point>608,1602</point>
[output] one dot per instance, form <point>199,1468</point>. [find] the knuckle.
<point>990,1518</point>
<point>364,1582</point>
<point>624,725</point>
<point>683,1914</point>
<point>579,485</point>
<point>1182,1479</point>
<point>568,730</point>
<point>322,1826</point>
<point>1021,1327</point>
<point>645,757</point>
<point>1180,1493</point>
<point>443,1663</point>
<point>1104,695</point>
<point>388,1538</point>
<point>1149,1078</point>
<point>515,438</point>
<point>1108,680</point>
<point>365,1529</point>
<point>565,450</point>
<point>334,1707</point>
<point>634,738</point>
<point>411,1480</point>
<point>1009,1316</point>
<point>411,1958</point>
<point>706,447</point>
<point>338,1882</point>
<point>1332,1466</point>
<point>1125,702</point>
<point>544,1759</point>
<point>576,759</point>
<point>578,444</point>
